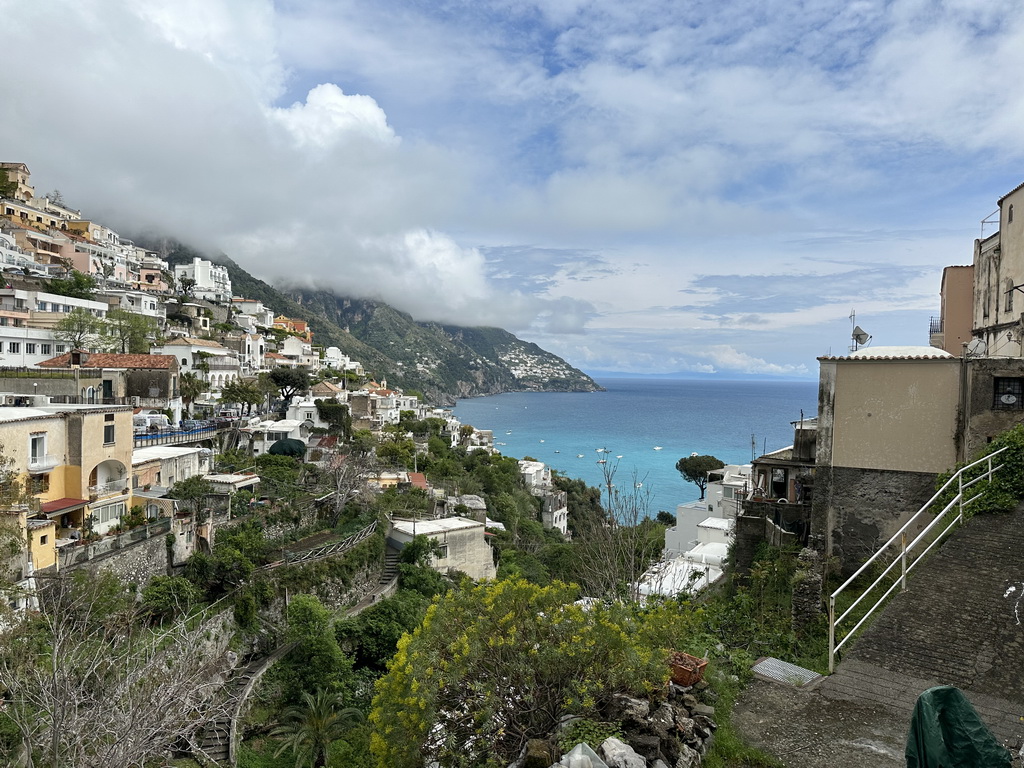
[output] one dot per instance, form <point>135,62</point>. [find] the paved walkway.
<point>959,623</point>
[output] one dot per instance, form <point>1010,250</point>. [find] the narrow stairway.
<point>958,623</point>
<point>390,567</point>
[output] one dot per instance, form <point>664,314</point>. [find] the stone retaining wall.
<point>855,511</point>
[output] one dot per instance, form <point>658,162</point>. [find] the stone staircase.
<point>959,623</point>
<point>390,567</point>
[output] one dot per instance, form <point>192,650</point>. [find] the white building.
<point>259,436</point>
<point>692,565</point>
<point>334,358</point>
<point>27,320</point>
<point>258,314</point>
<point>215,364</point>
<point>301,352</point>
<point>161,466</point>
<point>463,544</point>
<point>12,257</point>
<point>211,280</point>
<point>139,302</point>
<point>303,408</point>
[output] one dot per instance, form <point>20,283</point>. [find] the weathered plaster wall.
<point>984,419</point>
<point>856,510</point>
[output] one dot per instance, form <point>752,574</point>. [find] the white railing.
<point>903,550</point>
<point>41,463</point>
<point>111,486</point>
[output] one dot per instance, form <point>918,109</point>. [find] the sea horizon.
<point>646,425</point>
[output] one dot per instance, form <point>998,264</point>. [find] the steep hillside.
<point>442,361</point>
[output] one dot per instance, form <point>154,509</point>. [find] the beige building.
<point>462,541</point>
<point>888,423</point>
<point>19,174</point>
<point>951,330</point>
<point>999,280</point>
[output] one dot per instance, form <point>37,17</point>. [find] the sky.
<point>645,187</point>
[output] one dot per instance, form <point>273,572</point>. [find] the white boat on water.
<point>657,447</point>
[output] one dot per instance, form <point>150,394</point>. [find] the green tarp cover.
<point>946,732</point>
<point>288,447</point>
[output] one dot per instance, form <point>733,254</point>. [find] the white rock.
<point>617,754</point>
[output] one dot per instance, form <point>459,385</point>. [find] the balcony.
<point>936,337</point>
<point>108,488</point>
<point>42,463</point>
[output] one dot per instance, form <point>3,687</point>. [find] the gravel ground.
<point>804,729</point>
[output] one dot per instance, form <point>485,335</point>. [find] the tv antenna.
<point>859,336</point>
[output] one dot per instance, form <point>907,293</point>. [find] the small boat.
<point>508,431</point>
<point>619,456</point>
<point>579,455</point>
<point>639,485</point>
<point>557,451</point>
<point>657,447</point>
<point>603,461</point>
<point>542,441</point>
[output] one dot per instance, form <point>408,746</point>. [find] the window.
<point>108,429</point>
<point>1009,215</point>
<point>43,538</point>
<point>45,349</point>
<point>59,349</point>
<point>30,349</point>
<point>14,347</point>
<point>1008,393</point>
<point>37,447</point>
<point>109,513</point>
<point>442,551</point>
<point>1009,295</point>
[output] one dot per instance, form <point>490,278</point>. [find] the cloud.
<point>328,115</point>
<point>621,182</point>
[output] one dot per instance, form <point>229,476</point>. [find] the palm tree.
<point>309,728</point>
<point>190,386</point>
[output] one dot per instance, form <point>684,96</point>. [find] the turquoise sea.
<point>733,420</point>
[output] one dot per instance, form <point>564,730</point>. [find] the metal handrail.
<point>905,548</point>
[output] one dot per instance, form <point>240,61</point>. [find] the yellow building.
<point>19,174</point>
<point>76,463</point>
<point>295,327</point>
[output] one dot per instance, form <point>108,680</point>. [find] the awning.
<point>60,506</point>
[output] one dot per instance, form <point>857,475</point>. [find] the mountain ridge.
<point>444,362</point>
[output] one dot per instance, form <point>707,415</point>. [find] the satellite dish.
<point>977,348</point>
<point>860,335</point>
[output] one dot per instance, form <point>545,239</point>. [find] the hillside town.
<point>202,449</point>
<point>123,377</point>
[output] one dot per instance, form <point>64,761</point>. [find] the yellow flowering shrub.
<point>495,665</point>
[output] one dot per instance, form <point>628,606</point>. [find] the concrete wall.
<point>897,414</point>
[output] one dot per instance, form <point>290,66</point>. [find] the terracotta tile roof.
<point>60,505</point>
<point>112,360</point>
<point>419,480</point>
<point>275,356</point>
<point>325,386</point>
